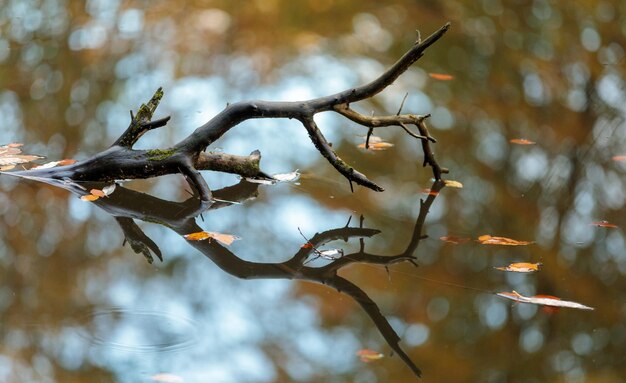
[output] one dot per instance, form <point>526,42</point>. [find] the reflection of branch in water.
<point>126,205</point>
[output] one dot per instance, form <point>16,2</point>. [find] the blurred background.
<point>76,306</point>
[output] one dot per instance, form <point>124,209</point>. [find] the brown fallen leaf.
<point>225,239</point>
<point>543,300</point>
<point>521,141</point>
<point>441,76</point>
<point>97,192</point>
<point>521,267</point>
<point>604,224</point>
<point>490,240</point>
<point>369,355</point>
<point>454,240</point>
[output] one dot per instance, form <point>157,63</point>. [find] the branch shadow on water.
<point>126,206</point>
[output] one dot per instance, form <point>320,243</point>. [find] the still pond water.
<point>78,306</point>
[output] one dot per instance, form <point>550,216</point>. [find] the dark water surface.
<point>77,306</point>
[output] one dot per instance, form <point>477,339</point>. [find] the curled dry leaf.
<point>489,240</point>
<point>543,300</point>
<point>453,184</point>
<point>441,76</point>
<point>369,355</point>
<point>225,239</point>
<point>521,267</point>
<point>604,224</point>
<point>522,141</point>
<point>454,240</point>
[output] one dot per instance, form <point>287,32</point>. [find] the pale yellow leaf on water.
<point>89,197</point>
<point>6,167</point>
<point>226,239</point>
<point>15,159</point>
<point>453,184</point>
<point>168,378</point>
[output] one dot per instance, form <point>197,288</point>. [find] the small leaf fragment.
<point>168,378</point>
<point>604,224</point>
<point>307,245</point>
<point>441,76</point>
<point>430,192</point>
<point>225,239</point>
<point>490,240</point>
<point>521,267</point>
<point>377,146</point>
<point>521,141</point>
<point>454,240</point>
<point>287,177</point>
<point>620,158</point>
<point>453,184</point>
<point>89,197</point>
<point>108,190</point>
<point>368,356</point>
<point>97,192</point>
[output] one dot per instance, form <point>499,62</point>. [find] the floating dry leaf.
<point>89,197</point>
<point>376,146</point>
<point>521,267</point>
<point>604,224</point>
<point>453,184</point>
<point>108,190</point>
<point>307,245</point>
<point>226,239</point>
<point>369,355</point>
<point>620,158</point>
<point>55,163</point>
<point>168,378</point>
<point>522,141</point>
<point>455,240</point>
<point>97,192</point>
<point>543,300</point>
<point>287,177</point>
<point>441,76</point>
<point>490,240</point>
